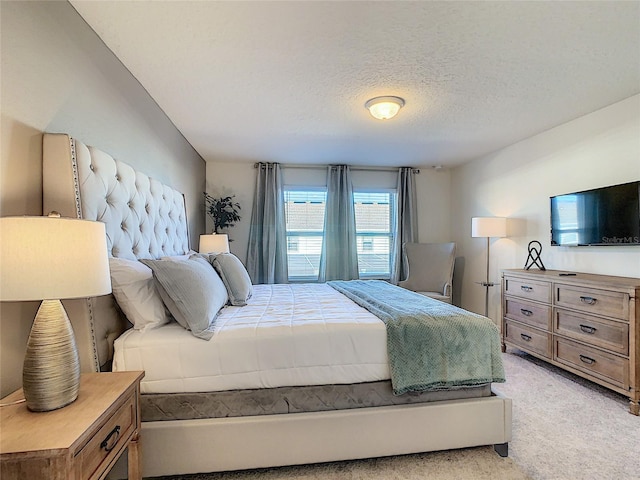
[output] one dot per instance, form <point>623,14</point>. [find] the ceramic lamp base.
<point>51,371</point>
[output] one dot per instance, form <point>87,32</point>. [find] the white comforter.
<point>287,335</point>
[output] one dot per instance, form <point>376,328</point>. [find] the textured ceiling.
<point>287,81</point>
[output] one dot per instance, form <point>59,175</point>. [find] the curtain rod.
<point>353,167</point>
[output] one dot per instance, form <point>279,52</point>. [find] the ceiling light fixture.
<point>384,108</point>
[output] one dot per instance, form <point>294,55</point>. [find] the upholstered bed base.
<point>190,446</point>
<point>145,219</point>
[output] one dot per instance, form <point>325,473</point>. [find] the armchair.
<point>429,268</point>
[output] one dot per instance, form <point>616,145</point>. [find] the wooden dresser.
<point>587,324</point>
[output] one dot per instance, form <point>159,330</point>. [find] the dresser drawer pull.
<point>588,329</point>
<point>587,360</point>
<point>105,443</point>
<point>588,300</point>
<point>526,338</point>
<point>526,313</point>
<point>526,288</point>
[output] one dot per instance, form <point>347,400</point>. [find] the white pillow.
<point>135,291</point>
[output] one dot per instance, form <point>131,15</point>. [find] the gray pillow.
<point>235,277</point>
<point>192,292</point>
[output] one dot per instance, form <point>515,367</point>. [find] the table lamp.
<point>214,243</point>
<point>48,259</point>
<point>488,227</point>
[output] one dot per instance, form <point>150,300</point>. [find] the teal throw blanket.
<point>431,345</point>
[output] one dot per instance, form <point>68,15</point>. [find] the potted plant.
<point>222,210</point>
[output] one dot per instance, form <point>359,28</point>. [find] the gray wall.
<point>58,77</point>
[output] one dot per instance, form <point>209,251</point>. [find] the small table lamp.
<point>48,259</point>
<point>214,243</point>
<point>488,227</point>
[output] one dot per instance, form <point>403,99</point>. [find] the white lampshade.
<point>488,227</point>
<point>384,108</point>
<point>48,259</point>
<point>52,258</point>
<point>214,243</point>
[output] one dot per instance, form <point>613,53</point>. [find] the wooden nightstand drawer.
<point>529,313</point>
<point>108,441</point>
<point>528,338</point>
<point>593,300</point>
<point>596,331</point>
<point>525,288</point>
<point>598,363</point>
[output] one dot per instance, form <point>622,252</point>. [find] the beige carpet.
<point>564,428</point>
<point>470,463</point>
<point>567,428</point>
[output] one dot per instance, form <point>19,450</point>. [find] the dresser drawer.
<point>527,312</point>
<point>596,331</point>
<point>603,365</point>
<point>593,300</point>
<point>109,438</point>
<point>528,338</point>
<point>530,289</point>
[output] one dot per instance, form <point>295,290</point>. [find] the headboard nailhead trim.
<point>96,362</point>
<point>76,181</point>
<point>76,187</point>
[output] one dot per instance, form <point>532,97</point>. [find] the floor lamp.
<point>487,227</point>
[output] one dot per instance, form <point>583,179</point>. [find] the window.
<point>304,214</point>
<point>374,229</point>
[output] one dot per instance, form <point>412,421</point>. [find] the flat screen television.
<point>602,216</point>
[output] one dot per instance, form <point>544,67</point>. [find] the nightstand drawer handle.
<point>105,443</point>
<point>587,360</point>
<point>587,329</point>
<point>526,288</point>
<point>526,338</point>
<point>588,300</point>
<point>526,313</point>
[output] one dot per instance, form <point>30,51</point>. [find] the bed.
<point>338,404</point>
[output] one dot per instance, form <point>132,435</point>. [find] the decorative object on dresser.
<point>533,258</point>
<point>52,258</point>
<point>488,227</point>
<point>82,441</point>
<point>214,243</point>
<point>585,323</point>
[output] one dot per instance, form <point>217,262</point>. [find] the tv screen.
<point>603,216</point>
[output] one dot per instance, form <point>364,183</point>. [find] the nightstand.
<point>81,441</point>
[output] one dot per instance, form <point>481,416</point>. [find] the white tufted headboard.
<point>143,219</point>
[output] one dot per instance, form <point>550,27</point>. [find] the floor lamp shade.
<point>488,227</point>
<point>214,243</point>
<point>49,259</point>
